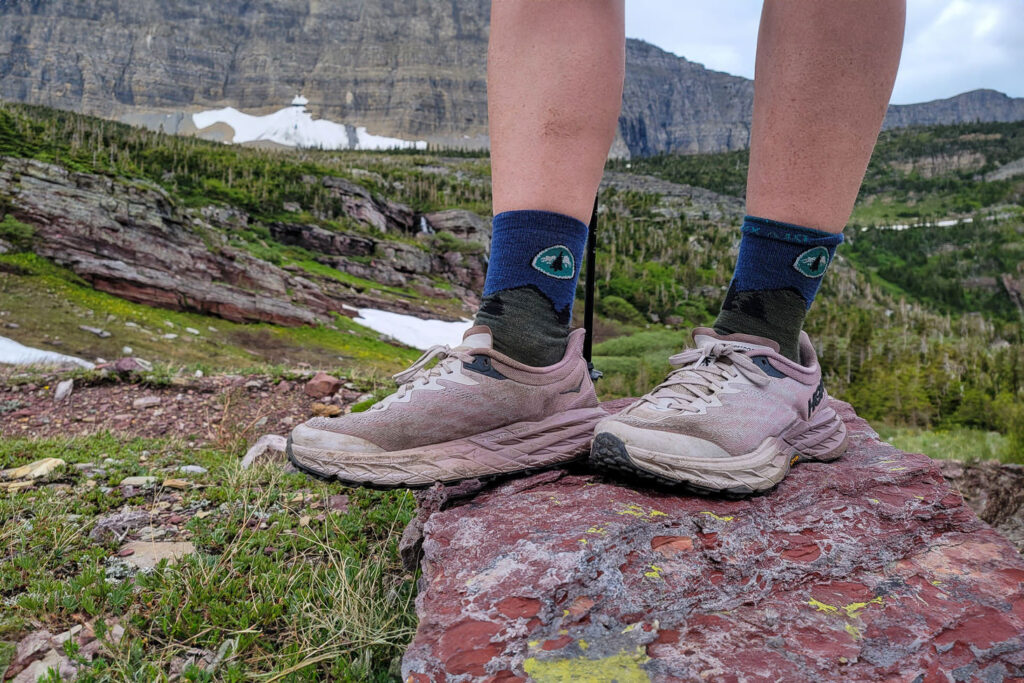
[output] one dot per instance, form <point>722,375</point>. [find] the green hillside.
<point>297,579</point>
<point>918,328</point>
<point>920,173</point>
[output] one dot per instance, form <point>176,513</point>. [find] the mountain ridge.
<point>410,74</point>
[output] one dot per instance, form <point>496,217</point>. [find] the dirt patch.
<point>203,410</point>
<point>263,344</point>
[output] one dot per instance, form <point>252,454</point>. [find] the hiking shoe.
<point>732,418</point>
<point>475,414</point>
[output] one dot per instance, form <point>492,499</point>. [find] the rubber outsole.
<point>513,450</point>
<point>608,453</point>
<point>484,479</point>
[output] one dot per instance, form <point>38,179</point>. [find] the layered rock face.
<point>129,239</point>
<point>976,105</point>
<point>672,105</point>
<point>408,71</point>
<point>870,568</point>
<point>995,491</point>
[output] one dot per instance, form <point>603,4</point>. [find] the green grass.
<point>49,303</point>
<point>16,233</point>
<point>300,591</point>
<point>634,363</point>
<point>957,443</point>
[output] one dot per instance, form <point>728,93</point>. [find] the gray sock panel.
<point>525,325</point>
<point>777,314</point>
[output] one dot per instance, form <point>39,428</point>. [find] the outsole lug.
<point>608,454</point>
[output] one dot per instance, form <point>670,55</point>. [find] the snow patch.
<point>412,331</point>
<point>13,353</point>
<point>295,127</point>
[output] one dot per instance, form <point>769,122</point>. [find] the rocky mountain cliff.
<point>968,107</point>
<point>410,71</point>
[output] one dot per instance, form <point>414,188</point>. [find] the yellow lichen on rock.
<point>625,667</point>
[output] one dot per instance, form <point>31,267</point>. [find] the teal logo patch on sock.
<point>812,263</point>
<point>557,262</point>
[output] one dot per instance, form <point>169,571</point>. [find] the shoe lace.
<point>702,372</point>
<point>417,374</point>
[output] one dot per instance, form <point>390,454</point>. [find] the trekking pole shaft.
<point>588,288</point>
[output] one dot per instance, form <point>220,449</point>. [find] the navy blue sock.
<point>531,284</point>
<point>777,275</point>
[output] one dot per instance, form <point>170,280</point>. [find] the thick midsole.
<point>823,438</point>
<point>522,445</point>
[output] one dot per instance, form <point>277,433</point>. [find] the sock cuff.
<point>787,232</point>
<point>542,249</point>
<point>775,255</point>
<point>547,222</point>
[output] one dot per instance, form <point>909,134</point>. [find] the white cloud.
<point>957,45</point>
<point>951,46</point>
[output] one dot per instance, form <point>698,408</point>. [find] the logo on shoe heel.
<point>556,262</point>
<point>815,399</point>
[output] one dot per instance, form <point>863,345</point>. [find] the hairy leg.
<point>823,78</point>
<point>554,90</point>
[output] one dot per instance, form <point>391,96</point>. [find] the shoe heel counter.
<point>587,397</point>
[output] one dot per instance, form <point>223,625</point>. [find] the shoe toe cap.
<point>309,435</point>
<point>661,441</point>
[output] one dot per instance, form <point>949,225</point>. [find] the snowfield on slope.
<point>13,353</point>
<point>412,331</point>
<point>295,127</point>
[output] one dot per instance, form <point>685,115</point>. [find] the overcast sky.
<point>951,45</point>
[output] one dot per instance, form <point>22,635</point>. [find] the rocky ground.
<point>204,410</point>
<point>133,521</point>
<point>201,410</point>
<point>139,543</point>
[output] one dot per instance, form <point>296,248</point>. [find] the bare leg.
<point>554,90</point>
<point>825,71</point>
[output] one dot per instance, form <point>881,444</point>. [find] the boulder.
<point>33,470</point>
<point>465,225</point>
<point>322,385</point>
<point>320,240</point>
<point>373,211</point>
<point>398,264</point>
<point>267,447</point>
<point>63,390</point>
<point>128,365</point>
<point>869,568</point>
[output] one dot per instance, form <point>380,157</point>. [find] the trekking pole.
<point>588,294</point>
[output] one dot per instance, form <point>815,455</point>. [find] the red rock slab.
<point>869,568</point>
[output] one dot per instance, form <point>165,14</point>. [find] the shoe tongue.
<point>705,336</point>
<point>478,337</point>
